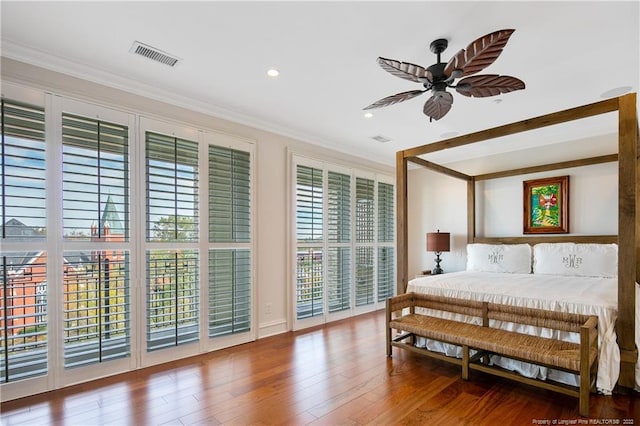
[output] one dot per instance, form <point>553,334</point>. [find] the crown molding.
<point>78,70</point>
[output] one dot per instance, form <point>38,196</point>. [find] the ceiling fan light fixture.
<point>368,115</point>
<point>273,72</point>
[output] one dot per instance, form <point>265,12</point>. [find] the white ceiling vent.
<point>381,139</point>
<point>154,54</point>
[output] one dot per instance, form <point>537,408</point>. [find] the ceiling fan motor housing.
<point>437,71</point>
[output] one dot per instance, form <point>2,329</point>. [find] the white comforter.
<point>583,295</point>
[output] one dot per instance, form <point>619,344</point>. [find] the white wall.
<point>438,201</point>
<point>272,157</point>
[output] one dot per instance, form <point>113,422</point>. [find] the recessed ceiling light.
<point>368,115</point>
<point>273,72</point>
<point>617,91</point>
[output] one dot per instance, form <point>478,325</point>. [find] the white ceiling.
<point>567,53</point>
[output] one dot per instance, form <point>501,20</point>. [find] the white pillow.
<point>513,258</point>
<point>581,260</point>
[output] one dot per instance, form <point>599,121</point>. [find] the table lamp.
<point>438,242</point>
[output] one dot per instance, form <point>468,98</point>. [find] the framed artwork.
<point>546,205</point>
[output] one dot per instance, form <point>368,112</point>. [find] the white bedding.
<point>583,295</point>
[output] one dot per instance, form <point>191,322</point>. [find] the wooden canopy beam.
<point>559,117</point>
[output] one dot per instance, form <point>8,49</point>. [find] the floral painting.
<point>546,205</point>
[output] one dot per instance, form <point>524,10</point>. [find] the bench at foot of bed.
<point>483,339</point>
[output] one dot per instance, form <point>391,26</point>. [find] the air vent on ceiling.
<point>381,139</point>
<point>154,54</point>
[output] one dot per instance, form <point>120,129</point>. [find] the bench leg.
<point>465,362</point>
<point>585,390</point>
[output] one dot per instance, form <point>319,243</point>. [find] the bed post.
<point>471,210</point>
<point>628,240</point>
<point>402,235</point>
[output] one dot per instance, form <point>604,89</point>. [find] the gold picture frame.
<point>546,205</point>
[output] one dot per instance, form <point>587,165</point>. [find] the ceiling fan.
<point>478,55</point>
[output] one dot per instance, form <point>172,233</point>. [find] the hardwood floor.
<point>336,374</point>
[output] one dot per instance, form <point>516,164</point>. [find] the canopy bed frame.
<point>628,204</point>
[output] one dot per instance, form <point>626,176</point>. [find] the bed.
<point>616,308</point>
<point>513,275</point>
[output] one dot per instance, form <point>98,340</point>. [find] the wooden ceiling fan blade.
<point>481,86</point>
<point>406,70</point>
<point>480,53</point>
<point>438,105</point>
<point>455,63</point>
<point>394,99</point>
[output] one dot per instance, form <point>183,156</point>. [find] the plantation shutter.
<point>95,201</point>
<point>229,195</point>
<point>364,210</point>
<point>23,315</point>
<point>172,216</point>
<point>229,291</point>
<point>23,269</point>
<point>230,223</point>
<point>339,238</point>
<point>309,204</point>
<point>310,235</point>
<point>386,273</point>
<point>339,208</point>
<point>96,308</point>
<point>23,171</point>
<point>172,188</point>
<point>339,278</point>
<point>95,164</point>
<point>386,237</point>
<point>172,298</point>
<point>386,222</point>
<point>365,238</point>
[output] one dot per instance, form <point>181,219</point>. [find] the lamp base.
<point>437,270</point>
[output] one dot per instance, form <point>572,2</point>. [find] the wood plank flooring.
<point>337,374</point>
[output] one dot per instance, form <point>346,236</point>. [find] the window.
<point>344,244</point>
<point>147,232</point>
<point>24,333</point>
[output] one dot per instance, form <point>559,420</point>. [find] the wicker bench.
<point>485,340</point>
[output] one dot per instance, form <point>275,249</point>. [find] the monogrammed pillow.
<point>511,258</point>
<point>582,260</point>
